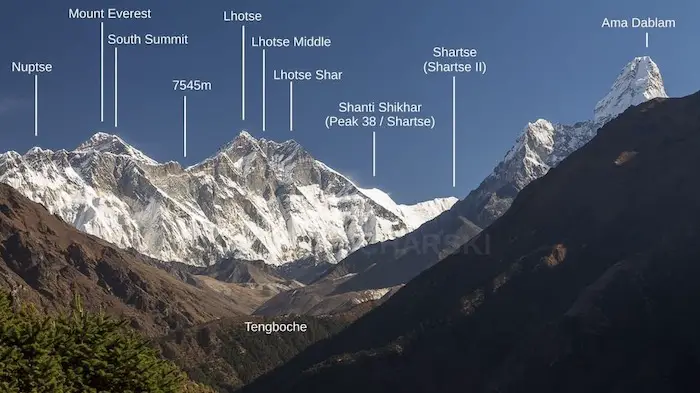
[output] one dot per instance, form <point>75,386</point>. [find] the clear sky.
<point>546,59</point>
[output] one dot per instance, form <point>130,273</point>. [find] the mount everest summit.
<point>254,199</point>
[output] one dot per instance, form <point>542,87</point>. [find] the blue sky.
<point>546,59</point>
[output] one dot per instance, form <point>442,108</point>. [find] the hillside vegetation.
<point>79,352</point>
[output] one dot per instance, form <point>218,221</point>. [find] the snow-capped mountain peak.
<point>242,139</point>
<point>245,134</point>
<point>242,142</point>
<point>283,151</point>
<point>536,135</point>
<point>639,81</point>
<point>543,144</point>
<point>102,142</point>
<point>246,147</point>
<point>254,199</point>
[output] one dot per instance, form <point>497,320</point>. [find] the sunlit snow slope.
<point>254,199</point>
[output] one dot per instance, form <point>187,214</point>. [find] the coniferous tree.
<point>80,352</point>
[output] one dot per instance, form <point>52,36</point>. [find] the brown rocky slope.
<point>44,261</point>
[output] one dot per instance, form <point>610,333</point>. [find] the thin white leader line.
<point>647,38</point>
<point>116,79</point>
<point>243,72</point>
<point>374,154</point>
<point>291,106</point>
<point>184,126</point>
<point>102,72</point>
<point>454,128</point>
<point>36,105</point>
<point>263,89</point>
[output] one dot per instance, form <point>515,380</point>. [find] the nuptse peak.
<point>543,144</point>
<point>254,199</point>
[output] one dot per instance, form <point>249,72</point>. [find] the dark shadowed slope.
<point>225,355</point>
<point>590,284</point>
<point>43,260</point>
<point>541,145</point>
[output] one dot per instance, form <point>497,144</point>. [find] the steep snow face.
<point>543,144</point>
<point>254,199</point>
<point>425,211</point>
<point>532,148</point>
<point>415,214</point>
<point>638,82</point>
